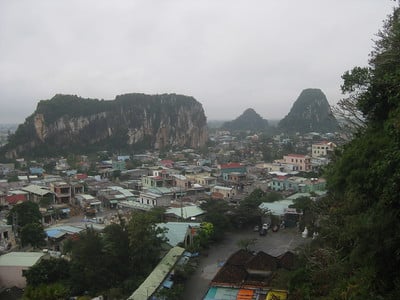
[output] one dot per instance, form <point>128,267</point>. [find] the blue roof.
<point>55,233</point>
<point>221,293</point>
<point>59,231</point>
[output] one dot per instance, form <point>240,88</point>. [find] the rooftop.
<point>21,259</point>
<point>160,272</point>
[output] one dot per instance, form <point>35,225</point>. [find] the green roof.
<point>21,259</point>
<point>154,280</point>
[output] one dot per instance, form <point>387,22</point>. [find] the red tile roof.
<point>14,199</point>
<point>231,165</point>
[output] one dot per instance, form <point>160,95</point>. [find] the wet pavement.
<point>274,243</point>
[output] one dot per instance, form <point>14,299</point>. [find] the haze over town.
<point>228,55</point>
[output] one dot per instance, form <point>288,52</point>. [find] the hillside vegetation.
<point>248,120</point>
<point>357,253</point>
<point>310,112</point>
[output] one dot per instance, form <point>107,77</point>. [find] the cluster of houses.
<point>178,184</point>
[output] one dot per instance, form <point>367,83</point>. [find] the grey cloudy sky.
<point>229,55</point>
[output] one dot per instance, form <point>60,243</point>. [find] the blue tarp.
<point>167,283</point>
<point>55,233</point>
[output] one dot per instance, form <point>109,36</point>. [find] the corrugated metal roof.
<point>35,189</point>
<point>176,232</point>
<point>156,278</point>
<point>186,211</point>
<point>277,208</point>
<point>21,259</point>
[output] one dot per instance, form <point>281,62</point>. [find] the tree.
<point>145,240</point>
<point>33,234</point>
<point>356,256</point>
<point>47,271</point>
<point>54,291</point>
<point>217,214</point>
<point>248,212</point>
<point>117,251</point>
<point>26,212</point>
<point>88,264</point>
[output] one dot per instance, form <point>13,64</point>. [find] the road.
<point>273,243</point>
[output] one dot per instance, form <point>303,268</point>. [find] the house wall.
<point>12,276</point>
<point>226,192</point>
<point>302,162</point>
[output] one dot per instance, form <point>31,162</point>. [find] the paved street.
<point>273,244</point>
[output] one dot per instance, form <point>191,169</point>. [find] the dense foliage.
<point>357,255</point>
<point>310,112</point>
<point>26,218</point>
<point>249,120</point>
<point>113,263</point>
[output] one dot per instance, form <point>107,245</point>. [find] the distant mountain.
<point>249,120</point>
<point>71,124</point>
<point>310,112</point>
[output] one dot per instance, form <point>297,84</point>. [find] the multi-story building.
<point>226,192</point>
<point>204,179</point>
<point>297,184</point>
<point>322,148</point>
<point>62,191</point>
<point>299,161</point>
<point>152,181</point>
<point>39,194</point>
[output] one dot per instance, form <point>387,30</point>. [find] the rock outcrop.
<point>68,123</point>
<point>248,120</point>
<point>310,112</point>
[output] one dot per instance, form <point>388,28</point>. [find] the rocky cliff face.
<point>68,123</point>
<point>310,112</point>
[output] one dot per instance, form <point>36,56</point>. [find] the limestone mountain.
<point>69,123</point>
<point>248,120</point>
<point>310,112</point>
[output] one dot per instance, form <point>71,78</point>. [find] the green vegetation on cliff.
<point>248,120</point>
<point>310,112</point>
<point>357,253</point>
<point>71,124</point>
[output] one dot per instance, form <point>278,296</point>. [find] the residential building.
<point>204,179</point>
<point>225,192</point>
<point>39,194</point>
<point>297,184</point>
<point>322,148</point>
<point>152,181</point>
<point>7,239</point>
<point>12,266</point>
<point>62,191</point>
<point>181,181</point>
<point>180,232</point>
<point>153,199</point>
<point>16,196</point>
<point>232,167</point>
<point>300,161</point>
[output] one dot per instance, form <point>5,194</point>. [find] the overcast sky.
<point>230,55</point>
